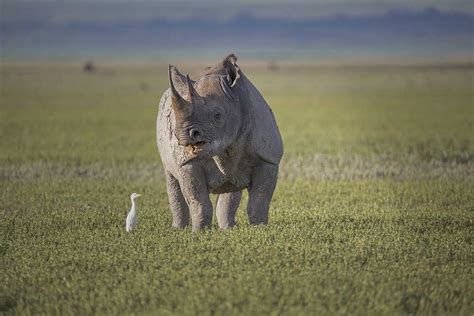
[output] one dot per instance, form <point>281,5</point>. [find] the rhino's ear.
<point>232,70</point>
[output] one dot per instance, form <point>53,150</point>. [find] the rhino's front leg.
<point>261,190</point>
<point>227,205</point>
<point>178,205</point>
<point>194,187</point>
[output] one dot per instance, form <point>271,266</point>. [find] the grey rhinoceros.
<point>217,135</point>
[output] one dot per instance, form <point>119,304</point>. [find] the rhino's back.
<point>265,139</point>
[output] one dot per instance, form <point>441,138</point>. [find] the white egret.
<point>132,219</point>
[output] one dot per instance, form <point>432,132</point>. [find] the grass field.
<point>373,212</point>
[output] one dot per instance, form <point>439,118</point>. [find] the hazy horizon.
<point>320,31</point>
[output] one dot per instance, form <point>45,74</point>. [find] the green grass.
<point>373,212</point>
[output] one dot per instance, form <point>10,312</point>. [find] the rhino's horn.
<point>191,91</point>
<point>181,106</point>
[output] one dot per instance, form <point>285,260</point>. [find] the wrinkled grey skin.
<point>217,135</point>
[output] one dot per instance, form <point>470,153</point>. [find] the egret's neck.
<point>133,205</point>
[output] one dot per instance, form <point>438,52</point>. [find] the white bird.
<point>132,219</point>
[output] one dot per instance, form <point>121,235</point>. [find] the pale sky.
<point>64,11</point>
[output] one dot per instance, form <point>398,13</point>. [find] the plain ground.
<point>373,213</point>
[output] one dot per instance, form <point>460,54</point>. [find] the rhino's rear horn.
<point>191,91</point>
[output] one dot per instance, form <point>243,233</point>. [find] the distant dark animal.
<point>89,67</point>
<point>217,135</point>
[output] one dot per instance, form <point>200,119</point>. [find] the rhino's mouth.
<point>195,150</point>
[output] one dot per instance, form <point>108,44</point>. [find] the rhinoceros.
<point>216,134</point>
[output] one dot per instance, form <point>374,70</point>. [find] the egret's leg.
<point>178,205</point>
<point>227,205</point>
<point>261,190</point>
<point>194,187</point>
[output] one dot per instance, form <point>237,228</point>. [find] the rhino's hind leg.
<point>260,192</point>
<point>227,205</point>
<point>178,205</point>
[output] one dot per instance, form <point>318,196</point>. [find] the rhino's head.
<point>207,113</point>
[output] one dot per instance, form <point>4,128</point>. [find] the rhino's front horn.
<point>181,106</point>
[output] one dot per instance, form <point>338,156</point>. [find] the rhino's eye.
<point>218,117</point>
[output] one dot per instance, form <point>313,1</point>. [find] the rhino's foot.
<point>258,221</point>
<point>179,225</point>
<point>200,227</point>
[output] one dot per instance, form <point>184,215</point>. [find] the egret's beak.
<point>138,194</point>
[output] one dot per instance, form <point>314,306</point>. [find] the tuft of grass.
<point>373,212</point>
